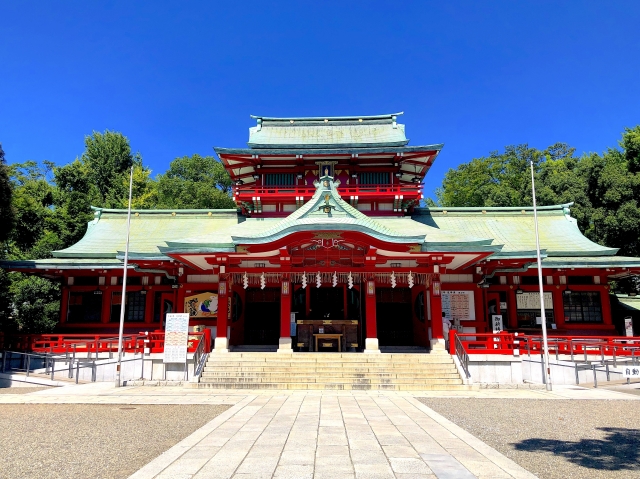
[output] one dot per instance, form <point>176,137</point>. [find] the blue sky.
<point>178,78</point>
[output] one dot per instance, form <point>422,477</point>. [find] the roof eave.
<point>338,151</point>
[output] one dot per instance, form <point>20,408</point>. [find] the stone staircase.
<point>341,371</point>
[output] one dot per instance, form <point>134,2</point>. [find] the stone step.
<point>340,386</point>
<point>330,371</point>
<point>333,356</point>
<point>327,377</point>
<point>338,379</point>
<point>323,362</point>
<point>344,371</point>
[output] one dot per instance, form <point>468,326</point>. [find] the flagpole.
<point>545,345</point>
<point>124,282</point>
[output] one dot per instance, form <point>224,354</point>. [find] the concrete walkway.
<point>318,434</point>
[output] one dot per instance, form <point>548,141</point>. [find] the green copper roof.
<point>506,232</point>
<point>327,132</point>
<point>590,262</point>
<point>513,228</point>
<point>64,263</point>
<point>150,229</point>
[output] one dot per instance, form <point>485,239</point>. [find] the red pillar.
<point>606,306</point>
<point>222,344</point>
<point>558,308</point>
<point>437,336</point>
<point>371,342</point>
<point>148,309</point>
<point>180,294</point>
<point>284,344</point>
<point>64,305</point>
<point>107,297</point>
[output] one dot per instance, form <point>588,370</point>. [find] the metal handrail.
<point>463,357</point>
<point>200,357</point>
<point>48,364</point>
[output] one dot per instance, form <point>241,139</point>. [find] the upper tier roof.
<point>327,132</point>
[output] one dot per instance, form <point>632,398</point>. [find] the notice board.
<point>458,305</point>
<point>176,337</point>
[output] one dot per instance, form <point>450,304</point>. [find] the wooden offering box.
<point>344,331</point>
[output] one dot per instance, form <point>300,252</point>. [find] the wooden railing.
<point>343,190</point>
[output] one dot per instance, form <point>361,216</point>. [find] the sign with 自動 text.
<point>631,372</point>
<point>176,337</point>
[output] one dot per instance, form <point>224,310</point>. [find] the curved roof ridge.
<point>480,209</point>
<point>322,118</point>
<point>204,211</point>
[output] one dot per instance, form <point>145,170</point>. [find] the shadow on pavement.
<point>617,451</point>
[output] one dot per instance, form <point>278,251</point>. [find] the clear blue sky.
<point>178,78</point>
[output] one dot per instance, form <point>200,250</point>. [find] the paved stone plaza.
<point>321,434</point>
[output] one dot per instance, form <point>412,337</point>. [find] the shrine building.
<point>329,250</point>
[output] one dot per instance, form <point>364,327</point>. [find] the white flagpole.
<point>124,282</point>
<point>545,345</point>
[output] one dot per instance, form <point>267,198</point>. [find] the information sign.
<point>496,320</point>
<point>628,326</point>
<point>532,300</point>
<point>458,305</point>
<point>293,326</point>
<point>631,372</point>
<point>176,337</point>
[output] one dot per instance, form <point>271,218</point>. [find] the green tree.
<point>605,188</point>
<point>194,182</point>
<point>7,217</point>
<point>612,185</point>
<point>36,303</point>
<point>144,194</point>
<point>500,179</point>
<point>74,196</point>
<point>33,206</point>
<point>108,158</point>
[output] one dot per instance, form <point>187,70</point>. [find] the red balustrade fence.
<point>515,343</point>
<point>98,343</point>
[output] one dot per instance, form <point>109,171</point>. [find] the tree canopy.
<point>47,207</point>
<point>195,182</point>
<point>6,210</point>
<point>604,187</point>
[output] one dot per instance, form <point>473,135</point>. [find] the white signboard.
<point>176,337</point>
<point>496,320</point>
<point>631,372</point>
<point>532,300</point>
<point>458,305</point>
<point>628,326</point>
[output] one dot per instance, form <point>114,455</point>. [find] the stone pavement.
<point>318,434</point>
